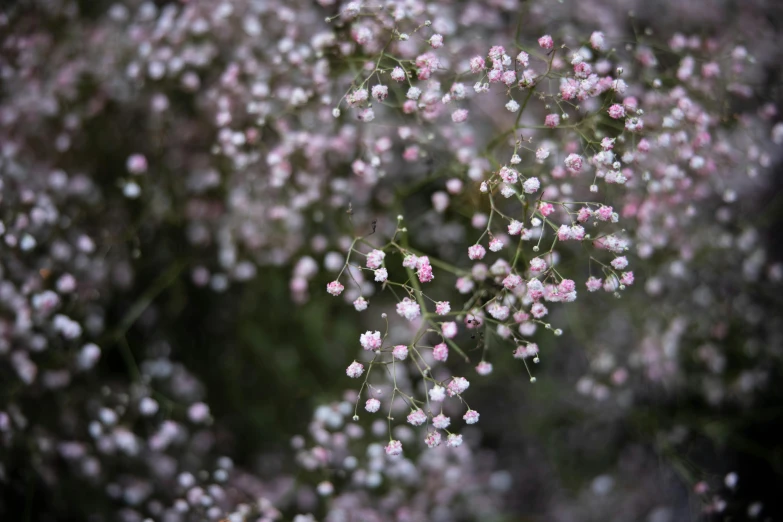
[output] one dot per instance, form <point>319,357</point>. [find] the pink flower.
<point>136,164</point>
<point>574,162</point>
<point>355,370</point>
<point>335,288</point>
<point>442,307</point>
<point>531,185</point>
<point>449,330</point>
<point>441,422</point>
<point>626,278</point>
<point>476,64</point>
<point>616,111</point>
<point>457,386</point>
<point>604,213</point>
<point>417,417</point>
<point>432,439</point>
<point>380,92</point>
<point>597,40</point>
<point>454,440</point>
<point>440,352</point>
<point>538,310</point>
<point>398,74</point>
<point>546,42</point>
<point>437,394</point>
<point>552,120</point>
<point>459,116</point>
<point>375,259</point>
<point>525,351</point>
<point>372,405</point>
<point>400,352</point>
<point>593,284</point>
<point>360,304</point>
<point>523,59</point>
<point>371,340</point>
<point>408,309</point>
<point>410,261</point>
<point>546,209</point>
<point>476,252</point>
<point>436,41</point>
<point>512,281</point>
<point>471,417</point>
<point>394,448</point>
<point>381,275</point>
<point>515,228</point>
<point>618,263</point>
<point>495,245</point>
<point>484,368</point>
<point>538,265</point>
<point>425,270</point>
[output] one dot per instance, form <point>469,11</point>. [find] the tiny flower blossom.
<point>525,351</point>
<point>441,422</point>
<point>515,227</point>
<point>437,394</point>
<point>410,261</point>
<point>375,259</point>
<point>541,154</point>
<point>381,275</point>
<point>442,307</point>
<point>394,448</point>
<point>619,263</point>
<point>413,93</point>
<point>417,417</point>
<point>476,64</point>
<point>440,352</point>
<point>523,59</point>
<point>546,42</point>
<point>449,330</point>
<point>512,281</point>
<point>425,273</point>
<point>400,352</point>
<point>459,116</point>
<point>509,175</point>
<point>457,386</point>
<point>432,439</point>
<point>546,209</point>
<point>538,310</point>
<point>471,417</point>
<point>380,92</point>
<point>367,115</point>
<point>538,265</point>
<point>476,252</point>
<point>552,120</point>
<point>597,40</point>
<point>604,213</point>
<point>436,41</point>
<point>408,309</point>
<point>627,278</point>
<point>531,185</point>
<point>616,111</point>
<point>454,440</point>
<point>355,370</point>
<point>335,288</point>
<point>372,405</point>
<point>371,340</point>
<point>360,304</point>
<point>512,106</point>
<point>398,74</point>
<point>593,284</point>
<point>484,368</point>
<point>496,245</point>
<point>574,162</point>
<point>508,77</point>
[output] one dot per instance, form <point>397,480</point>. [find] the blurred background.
<point>171,252</point>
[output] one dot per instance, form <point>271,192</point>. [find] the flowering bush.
<point>496,193</point>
